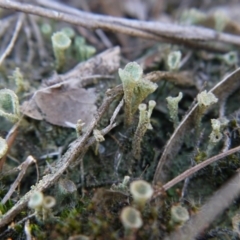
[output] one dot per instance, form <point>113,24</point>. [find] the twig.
<point>152,30</point>
<point>70,156</point>
<point>193,170</point>
<point>27,230</point>
<point>10,138</point>
<point>168,30</point>
<point>6,23</point>
<point>28,34</point>
<point>14,37</point>
<point>23,168</point>
<point>99,32</point>
<point>41,48</point>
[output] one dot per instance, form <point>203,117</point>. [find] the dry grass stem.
<point>14,37</point>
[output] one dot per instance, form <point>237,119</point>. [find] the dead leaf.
<point>104,63</point>
<point>64,103</point>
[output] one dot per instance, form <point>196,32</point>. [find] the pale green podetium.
<point>179,215</point>
<point>130,76</point>
<point>9,105</point>
<point>89,51</point>
<point>142,90</point>
<point>143,125</point>
<point>205,99</point>
<point>61,42</point>
<point>192,16</point>
<point>83,50</point>
<point>46,29</point>
<point>141,192</point>
<point>69,32</point>
<point>216,135</point>
<point>135,88</point>
<point>221,21</point>
<point>122,186</point>
<point>21,84</point>
<point>131,220</point>
<point>172,104</point>
<point>42,205</point>
<point>173,60</point>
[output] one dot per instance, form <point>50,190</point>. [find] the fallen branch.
<point>14,38</point>
<point>195,169</point>
<point>23,168</point>
<point>172,33</point>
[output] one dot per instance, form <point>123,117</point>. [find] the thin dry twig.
<point>30,44</point>
<point>196,168</point>
<point>172,33</point>
<point>73,153</point>
<point>41,48</point>
<point>167,30</point>
<point>6,23</point>
<point>10,138</point>
<point>14,37</point>
<point>23,168</point>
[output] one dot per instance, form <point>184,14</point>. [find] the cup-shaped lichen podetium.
<point>142,90</point>
<point>48,203</point>
<point>173,60</point>
<point>141,192</point>
<point>35,202</point>
<point>61,42</point>
<point>9,105</point>
<point>131,218</point>
<point>205,99</point>
<point>179,215</point>
<point>130,75</point>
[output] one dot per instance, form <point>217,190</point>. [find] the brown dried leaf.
<point>222,90</point>
<point>104,63</point>
<point>66,102</point>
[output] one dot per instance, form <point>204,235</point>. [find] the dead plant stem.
<point>198,167</point>
<point>172,33</point>
<point>14,37</point>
